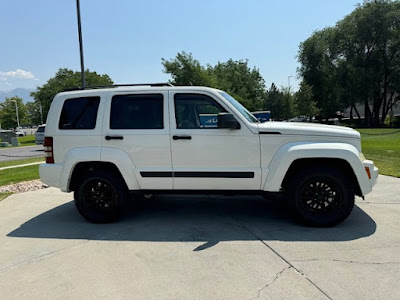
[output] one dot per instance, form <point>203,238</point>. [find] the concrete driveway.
<point>198,248</point>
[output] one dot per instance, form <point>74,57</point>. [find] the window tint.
<point>41,129</point>
<point>137,112</point>
<point>194,111</point>
<point>79,113</point>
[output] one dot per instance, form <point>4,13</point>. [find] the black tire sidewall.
<point>344,186</point>
<point>120,193</point>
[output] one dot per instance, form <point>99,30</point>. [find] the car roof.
<point>147,88</point>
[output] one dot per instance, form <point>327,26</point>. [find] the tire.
<point>320,196</point>
<point>101,197</point>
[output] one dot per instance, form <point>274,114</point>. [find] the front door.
<point>205,157</point>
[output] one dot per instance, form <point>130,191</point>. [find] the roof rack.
<point>118,85</point>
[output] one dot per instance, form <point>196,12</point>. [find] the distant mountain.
<point>24,94</point>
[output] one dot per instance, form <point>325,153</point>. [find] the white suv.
<point>102,143</point>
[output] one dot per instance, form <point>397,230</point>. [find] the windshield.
<point>245,113</point>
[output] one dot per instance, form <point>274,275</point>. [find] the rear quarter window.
<point>79,113</point>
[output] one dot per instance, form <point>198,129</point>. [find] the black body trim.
<point>199,174</point>
<point>270,132</point>
<point>156,174</point>
<point>268,195</point>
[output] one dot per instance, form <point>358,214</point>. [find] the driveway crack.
<point>272,282</point>
<point>281,257</point>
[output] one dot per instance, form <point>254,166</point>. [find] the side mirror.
<point>228,121</point>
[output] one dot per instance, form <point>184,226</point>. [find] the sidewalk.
<point>24,165</point>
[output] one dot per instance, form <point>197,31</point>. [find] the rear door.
<point>138,123</point>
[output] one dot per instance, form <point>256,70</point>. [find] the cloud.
<point>22,74</point>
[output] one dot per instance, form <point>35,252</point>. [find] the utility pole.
<point>78,10</point>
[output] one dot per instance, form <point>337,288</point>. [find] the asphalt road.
<point>198,248</point>
<point>7,154</point>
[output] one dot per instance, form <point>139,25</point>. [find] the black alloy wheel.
<point>320,196</point>
<point>101,197</point>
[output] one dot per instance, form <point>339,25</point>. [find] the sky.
<point>127,39</point>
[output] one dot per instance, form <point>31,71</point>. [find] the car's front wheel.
<point>101,197</point>
<point>320,196</point>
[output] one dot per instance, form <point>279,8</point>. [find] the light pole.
<point>78,13</point>
<point>16,111</point>
<point>41,112</point>
<point>288,79</point>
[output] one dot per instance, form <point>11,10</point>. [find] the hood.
<point>308,129</point>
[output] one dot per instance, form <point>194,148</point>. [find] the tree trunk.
<point>356,110</point>
<point>367,114</point>
<point>384,97</point>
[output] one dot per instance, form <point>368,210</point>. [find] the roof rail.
<point>118,85</point>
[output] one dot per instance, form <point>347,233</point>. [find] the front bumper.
<point>372,171</point>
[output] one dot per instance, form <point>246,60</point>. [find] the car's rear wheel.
<point>101,197</point>
<point>320,196</point>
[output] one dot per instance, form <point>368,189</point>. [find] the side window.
<point>195,111</point>
<point>79,113</point>
<point>137,112</point>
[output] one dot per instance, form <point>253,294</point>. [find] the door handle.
<point>114,137</point>
<point>182,137</point>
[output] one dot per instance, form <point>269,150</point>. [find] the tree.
<point>288,107</point>
<point>357,61</point>
<point>185,70</point>
<point>280,103</point>
<point>319,71</point>
<point>65,79</point>
<point>244,83</point>
<point>304,103</point>
<point>8,115</point>
<point>235,77</point>
<point>33,110</point>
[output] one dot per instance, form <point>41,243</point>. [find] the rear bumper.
<point>50,174</point>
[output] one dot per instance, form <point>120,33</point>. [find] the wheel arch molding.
<point>293,156</point>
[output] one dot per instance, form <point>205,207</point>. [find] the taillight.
<point>48,150</point>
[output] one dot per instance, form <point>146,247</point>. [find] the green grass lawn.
<point>383,147</point>
<point>16,175</point>
<point>28,140</point>
<point>20,161</point>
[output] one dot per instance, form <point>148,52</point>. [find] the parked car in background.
<point>39,135</point>
<point>262,116</point>
<point>300,119</point>
<point>19,132</point>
